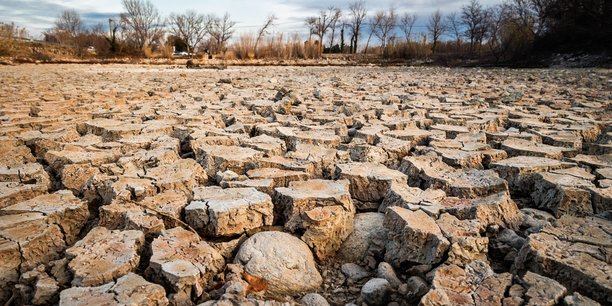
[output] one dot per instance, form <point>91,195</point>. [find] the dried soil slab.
<point>181,175</point>
<point>428,171</point>
<point>14,192</point>
<point>215,158</point>
<point>519,147</point>
<point>183,262</point>
<point>104,255</point>
<point>542,290</point>
<point>61,208</point>
<point>12,154</point>
<point>226,212</point>
<point>413,198</point>
<point>562,194</point>
<point>574,252</point>
<point>477,284</point>
<point>415,136</point>
<point>288,164</point>
<point>520,171</point>
<point>122,188</point>
<point>496,209</point>
<point>26,241</point>
<point>413,237</point>
<point>130,216</point>
<point>323,138</point>
<point>369,182</point>
<point>58,159</point>
<point>130,289</point>
<point>594,161</point>
<point>466,244</point>
<point>322,210</point>
<point>75,176</point>
<point>281,178</point>
<point>30,173</point>
<point>271,146</point>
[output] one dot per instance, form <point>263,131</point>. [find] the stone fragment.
<point>367,239</point>
<point>313,299</point>
<point>376,291</point>
<point>283,261</point>
<point>354,272</point>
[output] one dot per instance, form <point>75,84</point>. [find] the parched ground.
<point>156,185</point>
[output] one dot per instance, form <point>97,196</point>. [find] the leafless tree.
<point>336,14</point>
<point>357,13</point>
<point>454,26</point>
<point>264,29</point>
<point>384,30</point>
<point>407,23</point>
<point>436,28</point>
<point>142,21</point>
<point>374,23</point>
<point>69,22</point>
<point>319,25</point>
<point>472,17</point>
<point>532,14</point>
<point>222,30</point>
<point>494,24</point>
<point>191,27</point>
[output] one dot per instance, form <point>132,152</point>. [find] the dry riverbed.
<point>157,185</point>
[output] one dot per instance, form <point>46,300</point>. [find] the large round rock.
<point>284,261</point>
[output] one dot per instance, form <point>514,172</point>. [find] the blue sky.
<point>38,16</point>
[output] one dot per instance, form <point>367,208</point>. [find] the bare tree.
<point>472,17</point>
<point>319,25</point>
<point>454,26</point>
<point>264,29</point>
<point>222,30</point>
<point>407,23</point>
<point>336,14</point>
<point>69,22</point>
<point>388,21</point>
<point>436,28</point>
<point>191,27</point>
<point>374,23</point>
<point>142,21</point>
<point>357,13</point>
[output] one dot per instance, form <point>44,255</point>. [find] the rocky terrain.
<point>136,185</point>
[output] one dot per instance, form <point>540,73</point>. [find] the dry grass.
<point>277,47</point>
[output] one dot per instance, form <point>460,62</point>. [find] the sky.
<point>38,15</point>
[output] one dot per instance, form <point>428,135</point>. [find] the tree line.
<point>504,32</point>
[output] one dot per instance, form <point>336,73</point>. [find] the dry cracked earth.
<point>136,185</point>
